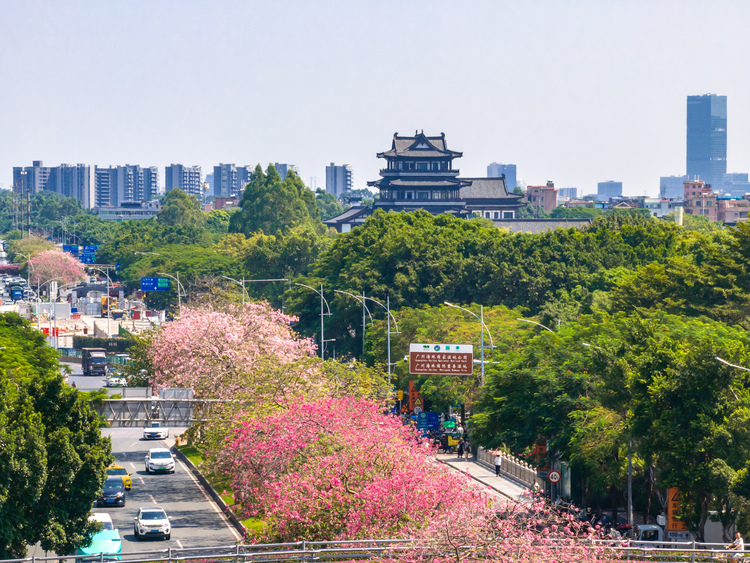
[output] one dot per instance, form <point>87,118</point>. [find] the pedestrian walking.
<point>737,545</point>
<point>498,463</point>
<point>467,451</point>
<point>460,450</point>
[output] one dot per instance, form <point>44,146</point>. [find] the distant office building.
<point>128,210</point>
<point>339,178</point>
<point>67,180</point>
<point>115,185</point>
<point>284,169</point>
<point>313,183</point>
<point>606,190</point>
<point>571,193</point>
<point>230,180</point>
<point>496,170</point>
<point>542,198</point>
<point>671,187</point>
<point>209,179</point>
<point>186,178</point>
<point>736,183</point>
<point>707,139</point>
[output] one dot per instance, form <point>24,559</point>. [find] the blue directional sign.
<point>72,248</point>
<point>155,284</point>
<point>87,258</point>
<point>90,248</point>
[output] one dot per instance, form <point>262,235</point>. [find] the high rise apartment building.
<point>230,180</point>
<point>283,169</point>
<point>707,139</point>
<point>186,178</point>
<point>67,180</point>
<point>671,187</point>
<point>339,178</point>
<point>608,189</point>
<point>571,193</point>
<point>115,185</point>
<point>495,170</point>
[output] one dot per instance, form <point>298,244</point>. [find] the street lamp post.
<point>241,283</point>
<point>389,316</point>
<point>39,306</point>
<point>364,320</point>
<point>109,308</point>
<point>322,327</point>
<point>179,288</point>
<point>482,328</point>
<point>536,323</point>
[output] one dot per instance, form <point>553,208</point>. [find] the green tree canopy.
<point>269,204</point>
<point>179,208</point>
<point>53,456</point>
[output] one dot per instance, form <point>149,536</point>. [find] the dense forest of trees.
<point>638,310</point>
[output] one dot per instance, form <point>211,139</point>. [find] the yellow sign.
<point>400,395</point>
<point>674,523</point>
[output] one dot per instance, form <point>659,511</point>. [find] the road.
<point>196,520</point>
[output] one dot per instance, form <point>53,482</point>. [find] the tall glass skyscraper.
<point>707,139</point>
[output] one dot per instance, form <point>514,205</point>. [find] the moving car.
<point>115,379</point>
<point>107,542</point>
<point>159,459</point>
<point>152,522</point>
<point>113,492</point>
<point>155,430</point>
<point>115,469</point>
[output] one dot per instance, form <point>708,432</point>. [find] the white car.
<point>159,459</point>
<point>152,522</point>
<point>115,380</point>
<point>155,431</point>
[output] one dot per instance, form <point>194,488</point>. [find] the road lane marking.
<point>133,444</point>
<point>133,466</point>
<point>209,500</point>
<point>152,498</point>
<point>179,543</point>
<point>141,480</point>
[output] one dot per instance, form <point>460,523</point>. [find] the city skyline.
<point>599,93</point>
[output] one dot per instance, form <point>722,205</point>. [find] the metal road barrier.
<point>510,467</point>
<point>260,553</point>
<point>653,552</point>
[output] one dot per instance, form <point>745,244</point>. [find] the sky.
<point>572,91</point>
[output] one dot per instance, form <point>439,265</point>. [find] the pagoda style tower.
<point>419,174</point>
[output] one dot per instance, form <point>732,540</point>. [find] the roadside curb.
<point>216,497</point>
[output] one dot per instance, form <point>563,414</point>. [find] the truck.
<point>94,361</point>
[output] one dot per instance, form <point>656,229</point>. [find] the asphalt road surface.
<point>196,519</point>
<point>87,383</point>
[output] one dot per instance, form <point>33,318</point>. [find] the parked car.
<point>159,459</point>
<point>113,492</point>
<point>155,431</point>
<point>152,522</point>
<point>115,379</point>
<point>120,471</point>
<point>106,542</point>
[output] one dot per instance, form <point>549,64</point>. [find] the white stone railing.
<point>510,467</point>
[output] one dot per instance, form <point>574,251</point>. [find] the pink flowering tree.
<point>340,469</point>
<point>232,353</point>
<point>52,264</point>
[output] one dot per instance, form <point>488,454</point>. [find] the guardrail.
<point>510,467</point>
<point>653,552</point>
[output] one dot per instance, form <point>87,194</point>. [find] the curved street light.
<point>482,328</point>
<point>389,316</point>
<point>364,320</point>
<point>179,288</point>
<point>240,283</point>
<point>109,283</point>
<point>536,323</point>
<point>322,327</point>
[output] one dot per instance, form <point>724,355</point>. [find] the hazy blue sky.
<point>574,91</point>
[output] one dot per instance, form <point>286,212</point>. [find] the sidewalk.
<point>502,485</point>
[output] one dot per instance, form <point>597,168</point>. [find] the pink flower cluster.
<point>53,264</point>
<point>335,469</point>
<point>224,354</point>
